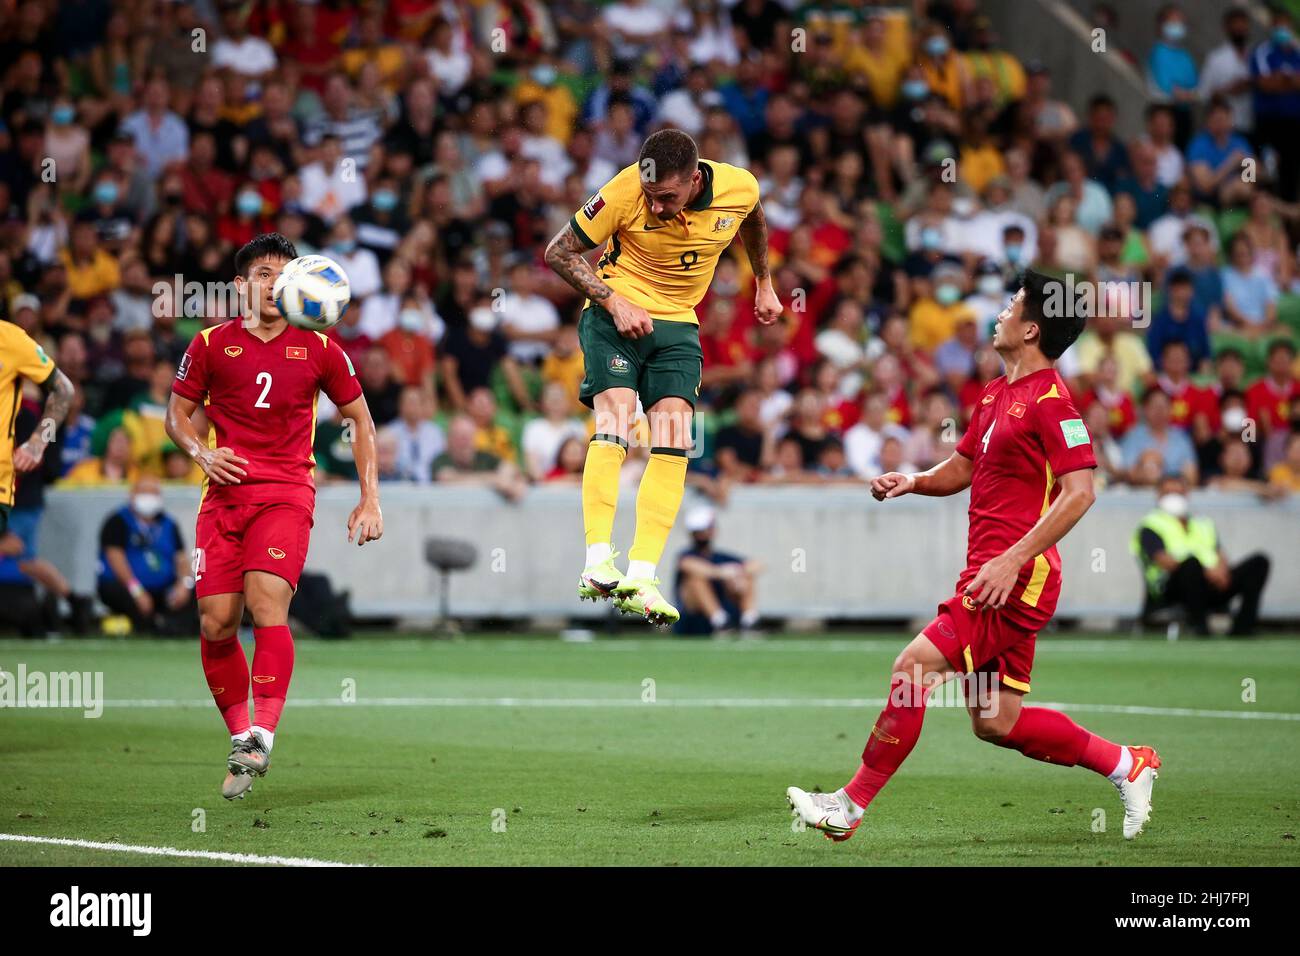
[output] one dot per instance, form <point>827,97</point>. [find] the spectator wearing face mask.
<point>1273,68</point>
<point>1229,426</point>
<point>945,72</point>
<point>382,222</point>
<point>1184,565</point>
<point>245,218</point>
<point>410,344</point>
<point>939,308</point>
<point>67,144</point>
<point>1171,71</point>
<point>144,567</point>
<point>471,353</point>
<point>112,220</point>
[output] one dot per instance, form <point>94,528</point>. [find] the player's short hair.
<point>672,153</point>
<point>1056,333</point>
<point>268,245</point>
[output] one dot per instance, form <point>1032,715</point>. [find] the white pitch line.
<point>173,852</point>
<point>738,703</point>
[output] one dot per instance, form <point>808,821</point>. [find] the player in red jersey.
<point>1027,459</point>
<point>257,379</point>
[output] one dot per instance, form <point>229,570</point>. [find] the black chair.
<point>448,555</point>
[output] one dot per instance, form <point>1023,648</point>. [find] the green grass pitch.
<point>535,751</point>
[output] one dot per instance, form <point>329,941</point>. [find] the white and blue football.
<point>312,292</point>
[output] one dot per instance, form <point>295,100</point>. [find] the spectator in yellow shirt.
<point>947,73</point>
<point>981,161</point>
<point>1106,336</point>
<point>564,365</point>
<point>91,270</point>
<point>1285,475</point>
<point>371,46</point>
<point>542,84</point>
<point>877,62</point>
<point>114,467</point>
<point>938,308</point>
<point>986,61</point>
<point>490,437</point>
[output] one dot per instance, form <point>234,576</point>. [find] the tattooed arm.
<point>753,234</point>
<point>59,392</point>
<point>566,255</point>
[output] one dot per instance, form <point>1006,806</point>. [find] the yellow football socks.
<point>605,457</point>
<point>657,501</point>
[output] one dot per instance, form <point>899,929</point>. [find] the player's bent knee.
<point>993,729</point>
<point>217,627</point>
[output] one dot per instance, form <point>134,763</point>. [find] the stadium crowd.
<point>909,166</point>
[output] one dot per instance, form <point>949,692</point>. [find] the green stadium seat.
<point>1229,223</point>
<point>1251,351</point>
<point>893,246</point>
<point>1288,311</point>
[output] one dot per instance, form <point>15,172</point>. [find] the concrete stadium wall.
<point>828,552</point>
<point>1057,33</point>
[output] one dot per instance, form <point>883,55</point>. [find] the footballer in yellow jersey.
<point>21,357</point>
<point>664,223</point>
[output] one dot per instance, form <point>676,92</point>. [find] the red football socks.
<point>1049,735</point>
<point>226,669</point>
<point>892,738</point>
<point>272,669</point>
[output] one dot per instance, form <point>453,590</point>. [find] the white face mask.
<point>411,320</point>
<point>147,505</point>
<point>991,286</point>
<point>482,319</point>
<point>1234,420</point>
<point>1173,504</point>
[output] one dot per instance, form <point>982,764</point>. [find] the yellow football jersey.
<point>20,357</point>
<point>665,267</point>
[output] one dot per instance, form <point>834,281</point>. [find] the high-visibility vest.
<point>1196,539</point>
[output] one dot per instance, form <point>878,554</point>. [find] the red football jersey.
<point>1022,437</point>
<point>260,399</point>
<point>1186,401</point>
<point>1270,404</point>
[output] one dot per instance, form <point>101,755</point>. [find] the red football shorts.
<point>982,640</point>
<point>271,536</point>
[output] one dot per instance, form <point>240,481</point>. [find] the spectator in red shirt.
<point>1121,413</point>
<point>206,189</point>
<point>729,355</point>
<point>839,412</point>
<point>1268,401</point>
<point>1191,406</point>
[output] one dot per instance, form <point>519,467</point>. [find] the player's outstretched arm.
<point>946,478</point>
<point>566,254</point>
<point>366,523</point>
<point>59,392</point>
<point>221,465</point>
<point>997,578</point>
<point>753,235</point>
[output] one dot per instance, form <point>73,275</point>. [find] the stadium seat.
<point>446,555</point>
<point>1288,311</point>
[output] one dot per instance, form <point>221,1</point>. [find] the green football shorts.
<point>664,364</point>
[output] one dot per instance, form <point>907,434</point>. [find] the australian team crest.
<point>723,223</point>
<point>618,364</point>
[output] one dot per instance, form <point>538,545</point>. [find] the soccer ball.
<point>312,292</point>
